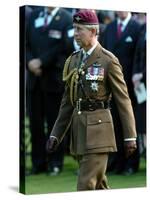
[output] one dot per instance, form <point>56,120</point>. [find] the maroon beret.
<point>85,17</point>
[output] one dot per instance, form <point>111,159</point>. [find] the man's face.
<point>50,8</point>
<point>122,14</point>
<point>82,35</point>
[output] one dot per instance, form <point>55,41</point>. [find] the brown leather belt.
<point>92,105</point>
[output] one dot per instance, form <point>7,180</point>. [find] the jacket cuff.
<point>129,139</point>
<point>51,136</point>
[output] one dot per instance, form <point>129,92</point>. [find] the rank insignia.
<point>94,86</point>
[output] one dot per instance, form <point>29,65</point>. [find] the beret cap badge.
<point>78,18</point>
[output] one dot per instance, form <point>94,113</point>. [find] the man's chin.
<point>79,43</point>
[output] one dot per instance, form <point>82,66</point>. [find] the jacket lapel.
<point>114,34</point>
<point>55,18</point>
<point>125,33</point>
<point>78,59</point>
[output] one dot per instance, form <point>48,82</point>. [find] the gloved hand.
<point>51,144</point>
<point>130,147</point>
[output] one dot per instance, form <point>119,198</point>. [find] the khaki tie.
<point>85,57</point>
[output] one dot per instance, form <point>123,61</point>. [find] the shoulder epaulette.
<point>111,56</point>
<point>108,53</point>
<point>69,76</point>
<point>66,66</point>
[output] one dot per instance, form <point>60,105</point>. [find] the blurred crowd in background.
<point>49,41</point>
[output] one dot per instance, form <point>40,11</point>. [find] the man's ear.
<point>94,31</point>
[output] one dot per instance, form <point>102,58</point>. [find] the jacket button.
<point>79,112</point>
<point>83,72</point>
<point>99,121</point>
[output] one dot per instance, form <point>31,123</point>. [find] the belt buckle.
<point>91,107</point>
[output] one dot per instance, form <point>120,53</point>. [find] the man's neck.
<point>90,46</point>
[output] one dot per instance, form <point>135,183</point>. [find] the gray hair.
<point>93,26</point>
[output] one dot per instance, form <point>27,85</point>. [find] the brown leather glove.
<point>130,147</point>
<point>51,144</point>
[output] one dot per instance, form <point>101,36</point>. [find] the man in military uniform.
<point>92,74</point>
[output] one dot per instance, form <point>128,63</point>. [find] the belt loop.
<point>103,104</point>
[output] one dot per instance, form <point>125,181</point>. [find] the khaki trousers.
<point>92,169</point>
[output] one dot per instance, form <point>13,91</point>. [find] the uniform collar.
<point>95,55</point>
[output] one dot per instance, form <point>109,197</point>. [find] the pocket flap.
<point>98,117</point>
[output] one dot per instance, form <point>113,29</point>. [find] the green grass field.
<point>66,181</point>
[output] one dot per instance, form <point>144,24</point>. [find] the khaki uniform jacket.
<point>93,131</point>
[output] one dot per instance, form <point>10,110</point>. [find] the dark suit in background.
<point>50,42</point>
<point>124,49</point>
<point>139,76</point>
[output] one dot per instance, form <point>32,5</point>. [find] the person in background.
<point>138,78</point>
<point>24,14</point>
<point>105,18</point>
<point>49,41</point>
<point>92,74</point>
<point>120,37</point>
<point>139,17</point>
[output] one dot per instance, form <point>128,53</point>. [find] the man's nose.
<point>75,32</point>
